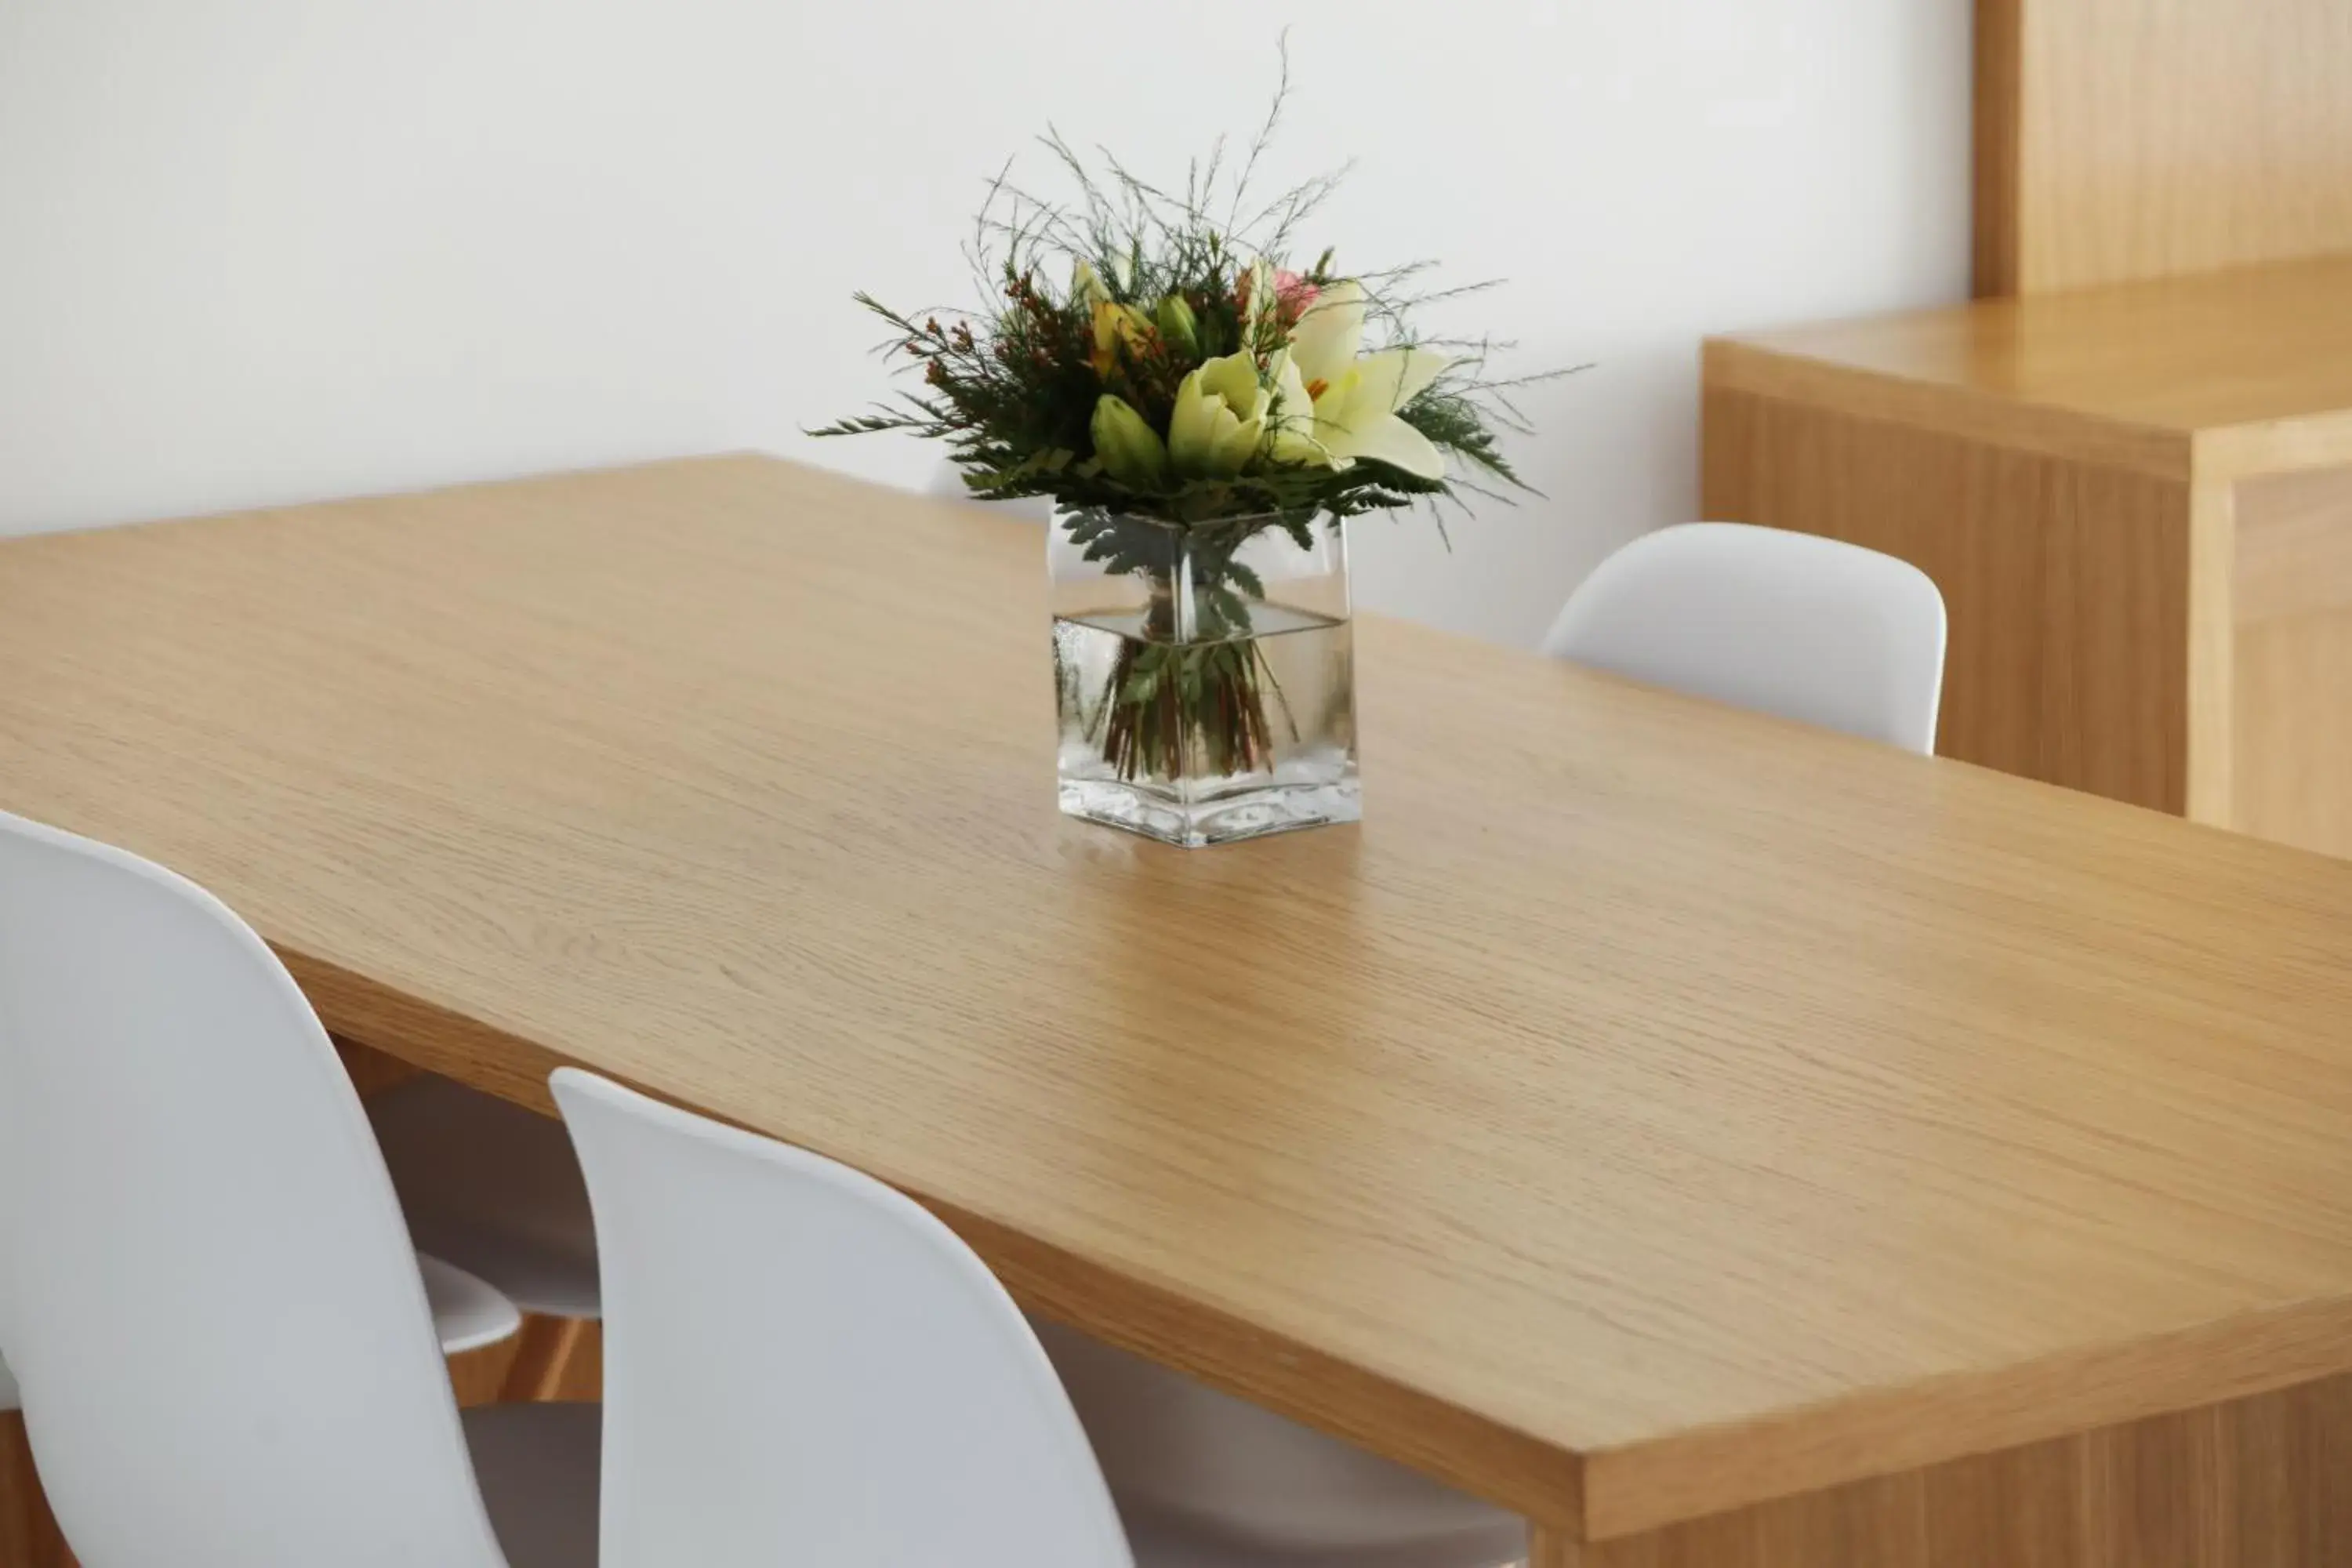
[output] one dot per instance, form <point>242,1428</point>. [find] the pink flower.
<point>1292,295</point>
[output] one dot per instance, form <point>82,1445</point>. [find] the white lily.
<point>1333,404</point>
<point>1219,417</point>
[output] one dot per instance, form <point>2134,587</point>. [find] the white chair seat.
<point>1200,1476</point>
<point>537,1467</point>
<point>494,1189</point>
<point>467,1312</point>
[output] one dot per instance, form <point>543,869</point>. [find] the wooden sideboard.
<point>2137,501</point>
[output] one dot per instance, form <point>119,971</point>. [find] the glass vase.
<point>1205,674</point>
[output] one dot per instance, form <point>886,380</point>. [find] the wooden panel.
<point>1651,1109</point>
<point>2257,1483</point>
<point>2125,138</point>
<point>2067,586</point>
<point>2292,730</point>
<point>2231,373</point>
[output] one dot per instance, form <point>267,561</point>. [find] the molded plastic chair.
<point>223,1336</point>
<point>803,1366</point>
<point>1788,624</point>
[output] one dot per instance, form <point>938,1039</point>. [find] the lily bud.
<point>1130,450</point>
<point>1176,324</point>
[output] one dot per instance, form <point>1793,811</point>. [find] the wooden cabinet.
<point>2137,500</point>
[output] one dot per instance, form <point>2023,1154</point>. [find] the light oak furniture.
<point>2129,139</point>
<point>2138,502</point>
<point>1720,1141</point>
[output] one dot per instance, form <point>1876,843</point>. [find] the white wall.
<point>265,250</point>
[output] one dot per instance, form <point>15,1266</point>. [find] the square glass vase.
<point>1205,674</point>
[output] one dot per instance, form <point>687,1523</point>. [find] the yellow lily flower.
<point>1219,418</point>
<point>1334,404</point>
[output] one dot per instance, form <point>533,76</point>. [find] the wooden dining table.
<point>1725,1144</point>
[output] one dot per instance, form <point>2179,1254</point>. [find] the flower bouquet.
<point>1205,415</point>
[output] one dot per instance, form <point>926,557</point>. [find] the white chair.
<point>1788,624</point>
<point>803,1366</point>
<point>223,1336</point>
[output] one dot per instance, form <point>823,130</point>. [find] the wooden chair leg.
<point>542,1351</point>
<point>29,1533</point>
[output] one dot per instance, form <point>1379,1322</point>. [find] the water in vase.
<point>1200,742</point>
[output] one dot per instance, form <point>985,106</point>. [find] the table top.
<point>2252,363</point>
<point>1649,1108</point>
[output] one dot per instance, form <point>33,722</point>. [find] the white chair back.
<point>801,1365</point>
<point>223,1344</point>
<point>1790,624</point>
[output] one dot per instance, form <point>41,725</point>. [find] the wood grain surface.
<point>2131,138</point>
<point>2292,735</point>
<point>1650,1110</point>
